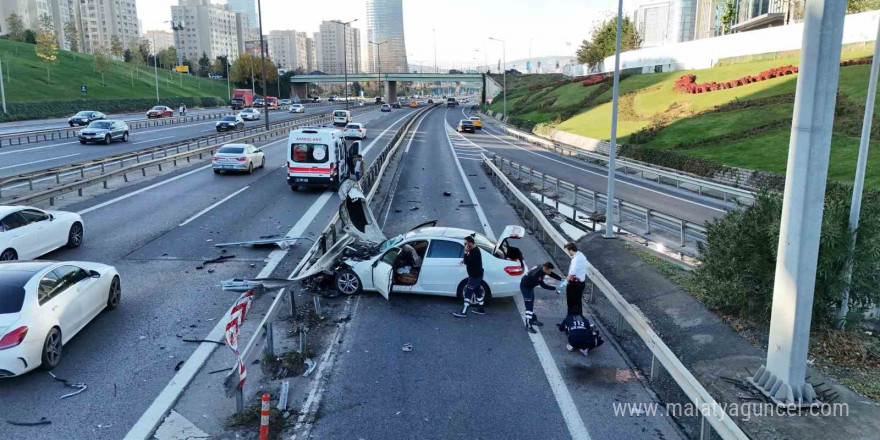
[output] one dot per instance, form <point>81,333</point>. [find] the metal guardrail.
<point>631,217</point>
<point>142,161</point>
<point>714,415</point>
<point>331,235</point>
<point>648,172</point>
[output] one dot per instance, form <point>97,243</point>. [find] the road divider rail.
<point>331,235</point>
<point>635,219</point>
<point>106,169</point>
<point>657,174</point>
<point>714,415</point>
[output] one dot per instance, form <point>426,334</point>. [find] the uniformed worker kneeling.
<point>582,335</point>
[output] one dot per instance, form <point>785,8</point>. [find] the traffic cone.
<point>264,418</point>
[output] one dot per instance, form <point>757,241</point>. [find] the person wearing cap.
<point>581,335</point>
<point>532,279</point>
<point>577,275</point>
<point>473,291</point>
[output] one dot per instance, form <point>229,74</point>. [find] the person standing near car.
<point>358,163</point>
<point>527,284</point>
<point>473,290</point>
<point>577,275</point>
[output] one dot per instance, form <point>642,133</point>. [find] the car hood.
<point>356,215</point>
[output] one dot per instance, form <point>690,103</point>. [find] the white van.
<point>318,156</point>
<point>341,118</point>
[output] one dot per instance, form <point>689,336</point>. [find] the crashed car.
<point>425,260</point>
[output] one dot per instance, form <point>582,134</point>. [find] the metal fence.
<point>715,416</point>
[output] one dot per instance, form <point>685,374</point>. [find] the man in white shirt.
<point>577,275</point>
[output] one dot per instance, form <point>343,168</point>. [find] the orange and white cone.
<point>264,418</point>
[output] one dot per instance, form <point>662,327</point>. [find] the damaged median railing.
<point>633,218</point>
<point>714,416</point>
<point>332,235</point>
<point>26,188</point>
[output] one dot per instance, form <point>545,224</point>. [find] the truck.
<point>242,98</point>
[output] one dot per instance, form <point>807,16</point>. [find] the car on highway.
<point>238,157</point>
<point>297,108</point>
<point>259,103</point>
<point>478,123</point>
<point>285,101</point>
<point>271,102</point>
<point>85,117</point>
<point>160,111</point>
<point>451,102</point>
<point>104,131</point>
<point>430,101</point>
<point>332,98</point>
<point>395,104</point>
<point>466,125</point>
<point>355,130</point>
<point>341,118</point>
<point>318,156</point>
<point>414,104</point>
<point>250,114</point>
<point>385,108</point>
<point>230,122</point>
<point>316,99</point>
<point>27,232</point>
<point>43,304</point>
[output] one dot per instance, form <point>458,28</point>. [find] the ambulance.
<point>318,156</point>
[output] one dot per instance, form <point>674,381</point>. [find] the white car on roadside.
<point>249,114</point>
<point>238,157</point>
<point>297,108</point>
<point>43,304</point>
<point>27,233</point>
<point>355,130</point>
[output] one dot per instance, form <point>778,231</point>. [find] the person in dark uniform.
<point>582,336</point>
<point>532,279</point>
<point>473,291</point>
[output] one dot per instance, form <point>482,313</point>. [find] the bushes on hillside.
<point>739,258</point>
<point>663,158</point>
<point>51,109</point>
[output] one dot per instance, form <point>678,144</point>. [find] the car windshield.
<point>100,124</point>
<point>309,153</point>
<point>158,107</point>
<point>248,110</point>
<point>83,114</point>
<point>228,118</point>
<point>339,113</point>
<point>385,105</point>
<point>353,126</point>
<point>466,122</point>
<point>387,244</point>
<point>231,150</point>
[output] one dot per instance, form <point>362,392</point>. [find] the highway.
<point>52,123</point>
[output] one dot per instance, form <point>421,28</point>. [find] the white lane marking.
<point>570,413</point>
<point>25,150</point>
<point>169,395</point>
<point>220,202</point>
<point>166,399</point>
<point>38,161</point>
<point>153,140</point>
<point>394,188</point>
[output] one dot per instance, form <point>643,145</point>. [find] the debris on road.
<point>42,421</point>
<point>103,426</point>
<point>79,386</point>
<point>310,366</point>
<point>219,259</point>
<point>407,347</point>
<point>218,371</point>
<point>467,205</point>
<point>414,208</point>
<point>205,340</point>
<point>258,285</point>
<point>447,194</point>
<point>282,399</point>
<point>282,242</point>
<point>179,364</point>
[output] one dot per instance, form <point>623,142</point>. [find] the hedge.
<point>663,158</point>
<point>18,111</point>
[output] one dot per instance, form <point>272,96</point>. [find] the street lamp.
<point>504,74</point>
<point>345,55</point>
<point>612,151</point>
<point>434,32</point>
<point>379,64</point>
<point>263,60</point>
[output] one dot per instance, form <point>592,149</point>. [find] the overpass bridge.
<point>299,83</point>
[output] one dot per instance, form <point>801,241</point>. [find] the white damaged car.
<point>425,260</point>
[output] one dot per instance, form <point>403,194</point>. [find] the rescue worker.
<point>582,336</point>
<point>473,291</point>
<point>532,279</point>
<point>577,275</point>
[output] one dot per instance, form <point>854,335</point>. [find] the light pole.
<point>263,60</point>
<point>379,64</point>
<point>612,151</point>
<point>434,32</point>
<point>345,55</point>
<point>228,90</point>
<point>504,74</point>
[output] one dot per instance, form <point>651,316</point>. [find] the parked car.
<point>230,122</point>
<point>297,108</point>
<point>45,304</point>
<point>250,114</point>
<point>27,233</point>
<point>355,130</point>
<point>385,108</point>
<point>478,123</point>
<point>85,117</point>
<point>395,104</point>
<point>160,111</point>
<point>466,125</point>
<point>238,157</point>
<point>104,131</point>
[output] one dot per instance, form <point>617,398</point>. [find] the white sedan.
<point>249,114</point>
<point>27,233</point>
<point>43,304</point>
<point>238,157</point>
<point>297,108</point>
<point>355,130</point>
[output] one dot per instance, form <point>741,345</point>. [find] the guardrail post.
<point>705,428</point>
<point>648,222</point>
<point>58,178</point>
<point>619,212</point>
<point>269,349</point>
<point>543,185</point>
<point>595,201</point>
<point>31,184</point>
<point>682,222</point>
<point>51,201</point>
<point>144,172</point>
<point>82,172</point>
<point>654,369</point>
<point>125,177</point>
<point>556,190</point>
<point>104,183</point>
<point>102,168</point>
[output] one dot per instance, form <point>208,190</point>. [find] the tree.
<point>115,46</point>
<point>189,64</point>
<point>168,57</point>
<point>47,45</point>
<point>15,27</point>
<point>102,63</point>
<point>30,36</point>
<point>144,49</point>
<point>242,68</point>
<point>71,36</point>
<point>126,55</point>
<point>854,6</point>
<point>204,65</point>
<point>603,40</point>
<point>728,16</point>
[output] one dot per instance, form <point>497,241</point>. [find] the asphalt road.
<point>661,198</point>
<point>53,123</point>
<point>481,377</point>
<point>156,233</point>
<point>39,156</point>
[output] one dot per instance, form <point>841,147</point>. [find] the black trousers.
<point>574,293</point>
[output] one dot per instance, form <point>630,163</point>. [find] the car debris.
<point>205,340</point>
<point>79,386</point>
<point>42,421</point>
<point>282,399</point>
<point>407,347</point>
<point>179,364</point>
<point>103,426</point>
<point>357,218</point>
<point>414,208</point>
<point>258,285</point>
<point>283,243</point>
<point>447,194</point>
<point>310,366</point>
<point>219,259</point>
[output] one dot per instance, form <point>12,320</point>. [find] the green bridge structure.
<point>300,83</point>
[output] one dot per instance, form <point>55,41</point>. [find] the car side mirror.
<point>258,150</point>
<point>94,274</point>
<point>51,217</point>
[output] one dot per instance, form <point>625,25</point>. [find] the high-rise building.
<point>312,53</point>
<point>385,23</point>
<point>286,51</point>
<point>651,19</point>
<point>207,29</point>
<point>98,20</point>
<point>160,40</point>
<point>332,40</point>
<point>747,15</point>
<point>31,13</point>
<point>246,7</point>
<point>302,50</point>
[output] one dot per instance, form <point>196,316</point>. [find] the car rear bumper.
<point>15,361</point>
<point>237,166</point>
<point>311,181</point>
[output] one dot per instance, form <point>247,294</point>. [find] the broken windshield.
<point>387,244</point>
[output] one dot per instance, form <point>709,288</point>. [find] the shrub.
<point>687,83</point>
<point>593,79</point>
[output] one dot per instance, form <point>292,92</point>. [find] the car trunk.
<point>7,322</point>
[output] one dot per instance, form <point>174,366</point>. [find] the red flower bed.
<point>593,79</point>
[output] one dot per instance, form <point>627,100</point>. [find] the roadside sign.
<point>182,69</point>
<point>83,90</point>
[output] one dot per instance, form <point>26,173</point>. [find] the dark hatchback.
<point>466,125</point>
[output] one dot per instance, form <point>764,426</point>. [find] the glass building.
<point>385,23</point>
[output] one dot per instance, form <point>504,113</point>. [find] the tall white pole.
<point>228,90</point>
<point>809,148</point>
<point>612,151</point>
<point>156,72</point>
<point>2,88</point>
<point>855,207</point>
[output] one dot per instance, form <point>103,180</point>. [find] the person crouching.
<point>582,335</point>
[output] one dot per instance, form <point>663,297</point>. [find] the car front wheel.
<point>51,356</point>
<point>347,282</point>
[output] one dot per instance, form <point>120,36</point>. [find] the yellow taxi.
<point>414,104</point>
<point>478,123</point>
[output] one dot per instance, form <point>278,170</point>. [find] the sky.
<point>548,27</point>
